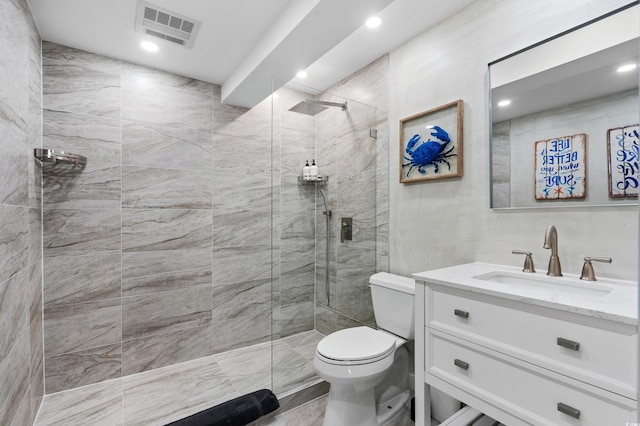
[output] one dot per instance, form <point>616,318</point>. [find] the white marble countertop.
<point>614,300</point>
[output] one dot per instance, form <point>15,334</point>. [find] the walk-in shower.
<point>320,284</point>
<point>313,107</point>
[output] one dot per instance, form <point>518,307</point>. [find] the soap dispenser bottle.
<point>313,171</point>
<point>306,170</point>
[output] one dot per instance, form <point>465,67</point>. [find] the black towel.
<point>237,412</point>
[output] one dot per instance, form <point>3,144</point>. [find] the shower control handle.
<point>346,229</point>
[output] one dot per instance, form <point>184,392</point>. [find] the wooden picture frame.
<point>622,159</point>
<point>431,144</point>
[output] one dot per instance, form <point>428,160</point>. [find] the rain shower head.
<point>313,107</point>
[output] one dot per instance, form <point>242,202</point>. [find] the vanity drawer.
<point>538,397</point>
<point>598,353</point>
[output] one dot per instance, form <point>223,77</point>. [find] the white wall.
<point>447,222</point>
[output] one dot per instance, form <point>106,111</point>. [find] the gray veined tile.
<point>14,376</point>
<point>97,138</point>
<point>241,228</point>
<point>146,187</point>
<point>237,264</point>
<point>224,114</point>
<point>290,369</point>
<point>240,299</point>
<point>165,229</point>
<point>35,235</point>
<point>96,186</point>
<point>74,87</point>
<point>15,158</point>
<point>305,343</point>
<point>81,326</point>
<point>357,192</point>
<point>97,405</point>
<point>136,77</point>
<point>79,57</point>
<point>14,312</point>
<point>234,192</point>
<point>165,349</point>
<point>249,369</point>
<point>167,394</point>
<point>14,240</point>
<point>81,231</point>
<point>294,318</point>
<point>241,155</point>
<point>153,314</point>
<point>356,262</point>
<point>242,331</point>
<point>254,123</point>
<point>73,370</point>
<point>167,281</point>
<point>75,279</point>
<point>147,272</point>
<point>159,104</point>
<point>166,146</point>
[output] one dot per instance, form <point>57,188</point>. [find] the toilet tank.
<point>393,304</point>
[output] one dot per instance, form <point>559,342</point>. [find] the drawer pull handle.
<point>568,343</point>
<point>461,364</point>
<point>461,314</point>
<point>568,410</point>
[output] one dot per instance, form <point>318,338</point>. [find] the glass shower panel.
<point>335,132</point>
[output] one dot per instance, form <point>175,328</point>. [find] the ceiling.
<point>244,45</point>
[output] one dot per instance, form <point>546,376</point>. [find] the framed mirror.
<point>565,118</point>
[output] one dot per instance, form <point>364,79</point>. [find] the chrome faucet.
<point>551,242</point>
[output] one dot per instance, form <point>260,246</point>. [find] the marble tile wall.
<point>21,353</point>
<point>294,216</point>
<point>358,188</point>
<point>158,252</point>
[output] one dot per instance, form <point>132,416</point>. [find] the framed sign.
<point>622,153</point>
<point>561,168</point>
<point>431,144</point>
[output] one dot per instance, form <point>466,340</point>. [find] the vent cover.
<point>158,22</point>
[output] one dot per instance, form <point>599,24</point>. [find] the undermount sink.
<point>546,283</point>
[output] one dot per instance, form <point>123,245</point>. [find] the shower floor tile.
<point>166,394</point>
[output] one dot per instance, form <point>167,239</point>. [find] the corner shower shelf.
<point>322,179</point>
<point>55,157</point>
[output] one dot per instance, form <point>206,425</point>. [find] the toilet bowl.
<point>368,369</point>
<point>355,361</point>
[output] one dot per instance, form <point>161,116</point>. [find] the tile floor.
<point>312,414</point>
<point>167,394</point>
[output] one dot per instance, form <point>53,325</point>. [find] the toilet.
<point>368,369</point>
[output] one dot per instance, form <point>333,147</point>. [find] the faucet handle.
<point>587,269</point>
<point>528,260</point>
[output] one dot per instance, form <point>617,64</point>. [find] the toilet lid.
<point>356,344</point>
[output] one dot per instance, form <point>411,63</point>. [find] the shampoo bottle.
<point>313,171</point>
<point>306,170</point>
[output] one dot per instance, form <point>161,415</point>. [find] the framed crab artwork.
<point>431,144</point>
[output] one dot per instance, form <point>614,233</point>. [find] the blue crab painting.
<point>430,152</point>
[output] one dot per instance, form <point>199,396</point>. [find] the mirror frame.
<point>628,201</point>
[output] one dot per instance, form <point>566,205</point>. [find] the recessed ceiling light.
<point>149,46</point>
<point>504,103</point>
<point>628,67</point>
<point>373,22</point>
<point>301,74</point>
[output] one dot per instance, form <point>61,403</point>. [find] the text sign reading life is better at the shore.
<point>623,152</point>
<point>561,168</point>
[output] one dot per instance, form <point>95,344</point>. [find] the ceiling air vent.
<point>158,22</point>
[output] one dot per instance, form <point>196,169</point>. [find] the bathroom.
<point>418,227</point>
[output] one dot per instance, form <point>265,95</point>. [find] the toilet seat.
<point>355,346</point>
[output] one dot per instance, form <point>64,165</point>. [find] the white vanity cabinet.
<point>525,357</point>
